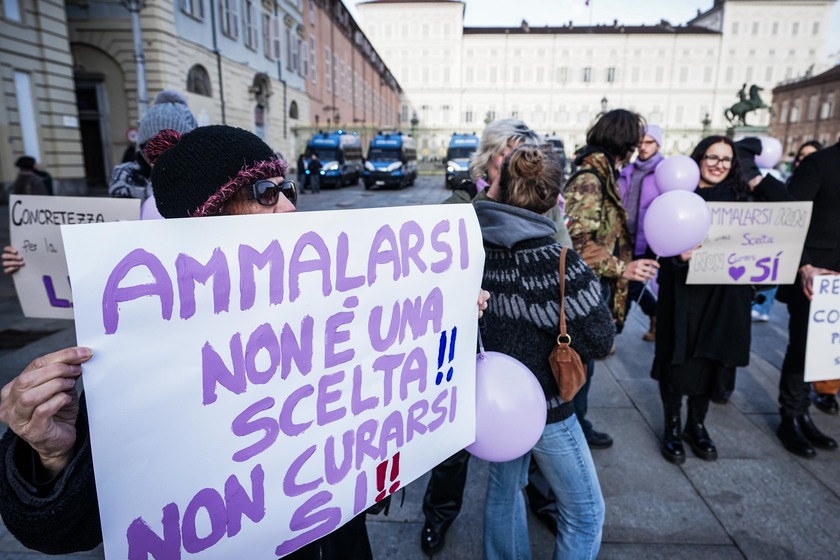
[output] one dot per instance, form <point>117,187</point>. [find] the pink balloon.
<point>771,153</point>
<point>510,408</point>
<point>148,210</point>
<point>677,173</point>
<point>675,222</point>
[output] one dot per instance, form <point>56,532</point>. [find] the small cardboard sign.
<point>751,243</point>
<point>258,381</point>
<point>822,350</point>
<point>43,285</point>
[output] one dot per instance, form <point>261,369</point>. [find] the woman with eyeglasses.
<point>47,480</point>
<point>705,329</point>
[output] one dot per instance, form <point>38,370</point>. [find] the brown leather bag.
<point>566,365</point>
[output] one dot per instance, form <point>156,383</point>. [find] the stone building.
<point>806,109</point>
<point>558,78</point>
<point>70,83</point>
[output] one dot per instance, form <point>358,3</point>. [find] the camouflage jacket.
<point>598,226</point>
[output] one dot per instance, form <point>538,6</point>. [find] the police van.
<point>340,155</point>
<point>461,148</point>
<point>391,161</point>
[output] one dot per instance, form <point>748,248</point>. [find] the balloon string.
<point>480,343</point>
<point>645,286</point>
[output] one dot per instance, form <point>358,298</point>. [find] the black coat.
<point>818,178</point>
<point>707,322</point>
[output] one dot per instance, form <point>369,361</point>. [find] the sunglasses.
<point>267,193</point>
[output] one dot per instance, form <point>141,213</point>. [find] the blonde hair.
<point>531,178</point>
<point>495,139</point>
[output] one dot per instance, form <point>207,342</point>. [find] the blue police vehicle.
<point>340,155</point>
<point>461,148</point>
<point>391,161</point>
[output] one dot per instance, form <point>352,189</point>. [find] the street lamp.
<point>706,122</point>
<point>134,7</point>
<point>414,122</point>
<point>604,103</point>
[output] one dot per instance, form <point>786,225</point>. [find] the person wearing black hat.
<point>46,471</point>
<point>28,181</point>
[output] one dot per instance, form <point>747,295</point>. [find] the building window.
<point>249,23</point>
<point>587,74</point>
<point>735,28</point>
<point>11,10</point>
<point>794,112</point>
<point>634,74</point>
<point>816,29</point>
<point>812,108</point>
<point>755,28</point>
<point>768,74</point>
<point>729,74</point>
<point>611,74</point>
<point>271,36</point>
<point>198,81</point>
<point>783,114</point>
<point>312,13</point>
<point>327,68</point>
<point>540,75</point>
<point>827,111</point>
<point>775,28</point>
<point>230,17</point>
<point>468,116</point>
<point>335,73</point>
<point>660,74</point>
<point>684,74</point>
<point>304,59</point>
<point>445,113</point>
<point>293,110</point>
<point>313,61</point>
<point>795,29</point>
<point>193,8</point>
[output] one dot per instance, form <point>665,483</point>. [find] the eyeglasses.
<point>714,160</point>
<point>267,193</point>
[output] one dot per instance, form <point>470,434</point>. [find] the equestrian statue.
<point>736,114</point>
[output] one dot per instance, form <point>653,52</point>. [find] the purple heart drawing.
<point>736,272</point>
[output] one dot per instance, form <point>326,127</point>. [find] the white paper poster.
<point>751,243</point>
<point>258,381</point>
<point>822,351</point>
<point>43,285</point>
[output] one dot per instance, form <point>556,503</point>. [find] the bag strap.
<point>566,338</point>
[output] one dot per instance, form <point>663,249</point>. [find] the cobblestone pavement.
<point>756,501</point>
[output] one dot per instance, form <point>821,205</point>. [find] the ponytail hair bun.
<point>531,178</point>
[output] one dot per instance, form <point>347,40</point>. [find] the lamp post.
<point>328,109</point>
<point>604,104</point>
<point>414,122</point>
<point>134,7</point>
<point>706,122</point>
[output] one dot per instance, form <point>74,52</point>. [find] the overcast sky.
<point>508,13</point>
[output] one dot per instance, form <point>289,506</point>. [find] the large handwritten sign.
<point>42,285</point>
<point>822,351</point>
<point>257,381</point>
<point>751,243</point>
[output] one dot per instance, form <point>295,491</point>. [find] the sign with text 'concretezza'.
<point>42,285</point>
<point>258,381</point>
<point>751,243</point>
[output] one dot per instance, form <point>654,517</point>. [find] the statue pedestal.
<point>738,132</point>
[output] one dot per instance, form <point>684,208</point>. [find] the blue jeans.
<point>767,304</point>
<point>564,458</point>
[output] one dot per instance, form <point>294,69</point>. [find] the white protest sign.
<point>822,350</point>
<point>257,381</point>
<point>751,243</point>
<point>42,285</point>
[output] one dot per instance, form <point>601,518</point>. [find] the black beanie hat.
<point>206,167</point>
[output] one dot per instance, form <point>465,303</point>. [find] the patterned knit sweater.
<point>521,272</point>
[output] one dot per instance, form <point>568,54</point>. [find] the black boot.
<point>793,439</point>
<point>672,447</point>
<point>698,438</point>
<point>813,434</point>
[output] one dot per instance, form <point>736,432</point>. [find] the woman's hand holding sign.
<point>12,260</point>
<point>41,405</point>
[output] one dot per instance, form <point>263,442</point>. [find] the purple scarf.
<point>641,169</point>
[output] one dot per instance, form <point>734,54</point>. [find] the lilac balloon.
<point>677,173</point>
<point>510,408</point>
<point>149,211</point>
<point>675,222</point>
<point>771,153</point>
